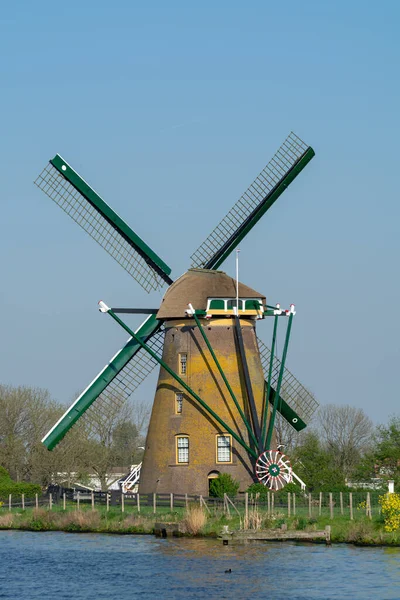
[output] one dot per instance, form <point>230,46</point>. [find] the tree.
<point>387,450</point>
<point>108,434</point>
<point>126,440</point>
<point>347,434</point>
<point>25,416</point>
<point>314,465</point>
<point>113,438</point>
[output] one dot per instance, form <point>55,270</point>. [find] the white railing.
<point>289,478</point>
<point>133,479</point>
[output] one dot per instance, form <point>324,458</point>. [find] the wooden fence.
<point>344,504</point>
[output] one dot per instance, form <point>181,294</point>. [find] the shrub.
<point>17,489</point>
<point>390,504</point>
<point>301,523</point>
<point>258,490</point>
<point>224,484</point>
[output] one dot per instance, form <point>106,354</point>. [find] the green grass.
<point>361,530</point>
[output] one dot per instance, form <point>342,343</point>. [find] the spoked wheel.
<point>273,469</point>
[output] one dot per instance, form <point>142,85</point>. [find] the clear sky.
<point>169,110</point>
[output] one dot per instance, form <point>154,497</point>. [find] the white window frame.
<point>223,449</point>
<point>183,363</point>
<point>182,449</point>
<point>178,403</point>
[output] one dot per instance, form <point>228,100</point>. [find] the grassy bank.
<point>194,521</point>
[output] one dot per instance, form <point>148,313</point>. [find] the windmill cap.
<point>197,286</point>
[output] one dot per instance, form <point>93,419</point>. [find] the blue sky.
<point>170,110</point>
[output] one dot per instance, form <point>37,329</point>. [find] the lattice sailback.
<point>292,391</point>
<point>60,190</point>
<point>106,409</point>
<point>292,149</point>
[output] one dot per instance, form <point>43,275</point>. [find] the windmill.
<point>219,387</point>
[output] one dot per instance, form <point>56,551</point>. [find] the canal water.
<point>82,566</point>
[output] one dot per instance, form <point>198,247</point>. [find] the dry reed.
<point>195,519</point>
<point>6,520</point>
<point>82,520</point>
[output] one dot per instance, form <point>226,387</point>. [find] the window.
<point>253,304</point>
<point>178,402</point>
<point>217,304</point>
<point>182,449</point>
<point>232,304</point>
<point>182,364</point>
<point>224,445</point>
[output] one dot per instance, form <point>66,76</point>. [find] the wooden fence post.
<point>309,504</point>
<point>351,505</point>
<point>368,511</point>
<point>226,507</point>
<point>78,500</point>
<point>36,501</point>
<point>107,501</point>
<point>9,501</point>
<point>50,501</point>
<point>246,509</point>
<point>331,504</point>
<point>122,502</point>
<point>294,503</point>
<point>154,502</point>
<point>186,501</point>
<point>138,502</point>
<point>171,502</point>
<point>92,498</point>
<point>23,501</point>
<point>341,503</point>
<point>320,504</point>
<point>204,503</point>
<point>288,504</point>
<point>268,503</point>
<point>64,501</point>
<point>272,501</point>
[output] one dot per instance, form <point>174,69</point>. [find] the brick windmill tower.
<point>219,387</point>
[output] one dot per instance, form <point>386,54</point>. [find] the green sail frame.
<point>150,326</point>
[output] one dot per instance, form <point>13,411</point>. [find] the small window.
<point>178,403</point>
<point>182,364</point>
<point>232,304</point>
<point>217,305</point>
<point>253,304</point>
<point>224,446</point>
<point>182,449</point>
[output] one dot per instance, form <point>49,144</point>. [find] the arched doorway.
<point>212,475</point>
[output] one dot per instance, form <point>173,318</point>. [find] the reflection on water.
<point>80,566</point>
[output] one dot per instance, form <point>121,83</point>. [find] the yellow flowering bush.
<point>390,505</point>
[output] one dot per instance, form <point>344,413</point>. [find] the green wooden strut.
<point>249,450</point>
<point>278,387</point>
<point>268,392</point>
<point>205,338</point>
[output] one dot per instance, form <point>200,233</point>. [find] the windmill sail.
<point>296,404</point>
<point>288,161</point>
<point>67,189</point>
<point>113,385</point>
